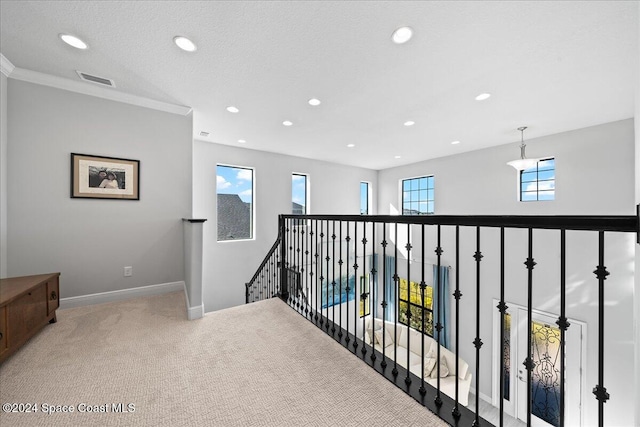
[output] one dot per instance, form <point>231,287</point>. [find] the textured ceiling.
<point>552,66</point>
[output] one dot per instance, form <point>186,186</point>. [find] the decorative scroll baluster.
<point>373,303</point>
<point>438,399</point>
<point>306,276</point>
<point>284,295</point>
<point>314,226</point>
<point>291,261</point>
<point>601,273</point>
<point>528,363</point>
<point>562,322</point>
<point>423,286</point>
<point>407,380</point>
<point>457,295</point>
<point>477,342</point>
<point>340,287</point>
<point>502,308</point>
<point>333,281</point>
<point>348,288</point>
<point>363,286</point>
<point>383,364</point>
<point>395,303</point>
<point>355,274</point>
<point>320,262</point>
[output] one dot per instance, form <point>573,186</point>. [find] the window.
<point>364,198</point>
<point>418,196</point>
<point>411,295</point>
<point>538,182</point>
<point>235,202</point>
<point>299,194</point>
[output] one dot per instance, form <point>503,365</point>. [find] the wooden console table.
<point>27,304</point>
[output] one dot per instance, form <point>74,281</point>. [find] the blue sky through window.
<point>235,180</point>
<point>364,198</point>
<point>299,190</point>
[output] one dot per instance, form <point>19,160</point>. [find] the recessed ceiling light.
<point>351,145</point>
<point>483,96</point>
<point>409,123</point>
<point>287,123</point>
<point>232,109</point>
<point>185,44</point>
<point>241,141</point>
<point>402,35</point>
<point>397,157</point>
<point>455,142</point>
<point>314,102</point>
<point>73,41</point>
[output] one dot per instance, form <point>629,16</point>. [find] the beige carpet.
<point>256,365</point>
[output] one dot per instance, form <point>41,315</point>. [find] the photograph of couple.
<point>106,178</point>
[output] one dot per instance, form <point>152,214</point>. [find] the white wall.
<point>3,175</point>
<point>594,175</point>
<point>334,189</point>
<point>637,284</point>
<point>89,240</point>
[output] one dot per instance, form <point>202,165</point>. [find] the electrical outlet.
<point>128,271</point>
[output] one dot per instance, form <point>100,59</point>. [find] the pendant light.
<point>522,162</point>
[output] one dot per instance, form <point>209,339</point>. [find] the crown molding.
<point>95,90</point>
<point>6,67</point>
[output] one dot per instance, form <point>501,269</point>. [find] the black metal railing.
<point>327,267</point>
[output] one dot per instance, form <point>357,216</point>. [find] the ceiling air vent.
<point>95,79</point>
<point>204,134</point>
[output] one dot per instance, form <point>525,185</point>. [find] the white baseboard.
<point>120,295</point>
<point>192,312</point>
<point>195,312</point>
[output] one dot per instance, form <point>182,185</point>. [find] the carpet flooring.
<point>260,364</point>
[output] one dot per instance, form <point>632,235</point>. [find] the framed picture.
<point>96,177</point>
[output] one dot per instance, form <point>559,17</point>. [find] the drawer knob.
<point>53,295</point>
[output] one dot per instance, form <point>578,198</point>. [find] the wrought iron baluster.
<point>355,275</point>
<point>317,276</point>
<point>528,363</point>
<point>423,285</point>
<point>383,364</point>
<point>477,342</point>
<point>438,327</point>
<point>562,322</point>
<point>322,287</point>
<point>502,308</point>
<point>396,308</point>
<point>363,285</point>
<point>407,380</point>
<point>340,262</point>
<point>374,283</point>
<point>457,295</point>
<point>308,266</point>
<point>601,273</point>
<point>333,281</point>
<point>348,288</point>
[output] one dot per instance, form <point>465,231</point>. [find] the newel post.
<point>284,279</point>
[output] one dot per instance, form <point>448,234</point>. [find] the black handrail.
<point>621,223</point>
